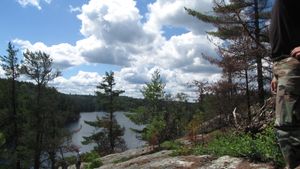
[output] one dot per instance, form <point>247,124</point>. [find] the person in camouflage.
<point>285,43</point>
<point>287,122</point>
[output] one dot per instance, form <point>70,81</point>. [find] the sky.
<point>132,38</point>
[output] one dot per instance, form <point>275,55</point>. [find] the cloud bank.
<point>116,33</point>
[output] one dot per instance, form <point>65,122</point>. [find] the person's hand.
<point>274,85</point>
<point>296,52</point>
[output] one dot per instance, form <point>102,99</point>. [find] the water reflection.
<point>86,130</point>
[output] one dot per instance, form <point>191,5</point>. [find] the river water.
<point>83,129</point>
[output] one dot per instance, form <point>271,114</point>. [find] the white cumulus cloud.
<point>172,13</point>
<point>64,55</point>
<point>81,83</point>
<point>74,9</point>
<point>35,3</point>
<point>113,33</point>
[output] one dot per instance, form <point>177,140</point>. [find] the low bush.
<point>90,156</point>
<point>171,145</point>
<point>96,163</point>
<point>260,147</point>
<point>177,147</point>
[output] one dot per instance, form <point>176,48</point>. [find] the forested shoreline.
<point>233,114</point>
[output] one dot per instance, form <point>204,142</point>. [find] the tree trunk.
<point>37,153</point>
<point>111,133</point>
<point>15,120</point>
<point>52,159</point>
<point>260,82</point>
<point>248,96</point>
<point>111,136</point>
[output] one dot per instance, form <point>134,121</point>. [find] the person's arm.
<point>274,85</point>
<point>296,52</point>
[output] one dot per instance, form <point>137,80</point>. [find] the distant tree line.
<point>165,117</point>
<point>33,115</point>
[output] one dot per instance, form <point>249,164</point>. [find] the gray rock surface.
<point>145,158</point>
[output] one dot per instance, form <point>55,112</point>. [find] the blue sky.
<point>85,38</point>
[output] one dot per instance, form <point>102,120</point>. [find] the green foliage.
<point>152,111</point>
<point>261,147</point>
<point>96,163</point>
<point>107,94</point>
<point>47,127</point>
<point>177,147</point>
<point>161,113</point>
<point>182,151</point>
<point>38,110</point>
<point>154,91</point>
<point>71,160</point>
<point>38,67</point>
<point>10,63</point>
<point>102,138</point>
<point>11,67</point>
<point>267,147</point>
<point>81,103</point>
<point>138,115</point>
<point>194,126</point>
<point>109,138</point>
<point>155,131</point>
<point>171,145</point>
<point>153,94</point>
<point>90,156</point>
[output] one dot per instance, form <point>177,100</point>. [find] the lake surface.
<point>87,130</point>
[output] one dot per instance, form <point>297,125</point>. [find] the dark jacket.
<point>285,28</point>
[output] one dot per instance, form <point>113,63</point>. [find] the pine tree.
<point>55,133</point>
<point>38,67</point>
<point>154,114</point>
<point>154,94</point>
<point>109,139</point>
<point>237,18</point>
<point>11,67</point>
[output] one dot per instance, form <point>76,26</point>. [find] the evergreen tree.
<point>102,136</point>
<point>55,134</point>
<point>237,18</point>
<point>154,114</point>
<point>154,94</point>
<point>109,138</point>
<point>38,67</point>
<point>11,67</point>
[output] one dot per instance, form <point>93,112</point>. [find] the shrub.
<point>267,148</point>
<point>183,150</point>
<point>90,156</point>
<point>70,160</point>
<point>154,134</point>
<point>260,147</point>
<point>171,145</point>
<point>95,164</point>
<point>177,147</point>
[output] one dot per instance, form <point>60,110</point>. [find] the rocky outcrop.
<point>145,158</point>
